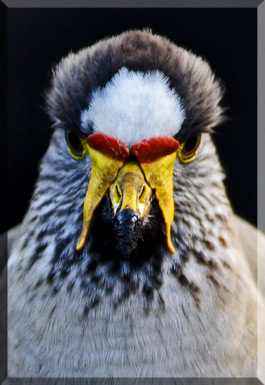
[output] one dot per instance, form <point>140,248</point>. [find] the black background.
<point>39,38</point>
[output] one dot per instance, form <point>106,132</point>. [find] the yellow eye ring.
<point>76,146</point>
<point>188,150</point>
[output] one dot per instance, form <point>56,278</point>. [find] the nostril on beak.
<point>118,191</point>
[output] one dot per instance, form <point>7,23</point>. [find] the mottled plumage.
<point>98,312</point>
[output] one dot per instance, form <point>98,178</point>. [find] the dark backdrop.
<point>39,38</point>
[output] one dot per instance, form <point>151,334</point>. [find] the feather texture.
<point>93,312</point>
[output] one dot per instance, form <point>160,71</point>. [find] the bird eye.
<point>188,149</point>
<point>75,146</point>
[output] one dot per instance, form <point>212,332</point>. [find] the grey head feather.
<point>79,74</point>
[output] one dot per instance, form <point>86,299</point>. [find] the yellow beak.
<point>130,191</point>
<point>131,185</point>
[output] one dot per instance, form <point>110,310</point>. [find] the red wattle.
<point>109,146</point>
<point>149,150</point>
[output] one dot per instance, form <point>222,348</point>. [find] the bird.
<point>130,261</point>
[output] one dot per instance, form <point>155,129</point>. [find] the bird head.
<point>131,182</point>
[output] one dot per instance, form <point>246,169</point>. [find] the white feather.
<point>135,106</point>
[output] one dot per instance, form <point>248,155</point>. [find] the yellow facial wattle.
<point>132,183</point>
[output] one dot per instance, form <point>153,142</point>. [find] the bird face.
<point>132,176</point>
<point>130,186</point>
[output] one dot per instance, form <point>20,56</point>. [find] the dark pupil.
<point>74,141</point>
<point>191,143</point>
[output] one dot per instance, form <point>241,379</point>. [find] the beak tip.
<point>126,226</point>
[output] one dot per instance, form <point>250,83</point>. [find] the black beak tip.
<point>127,230</point>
